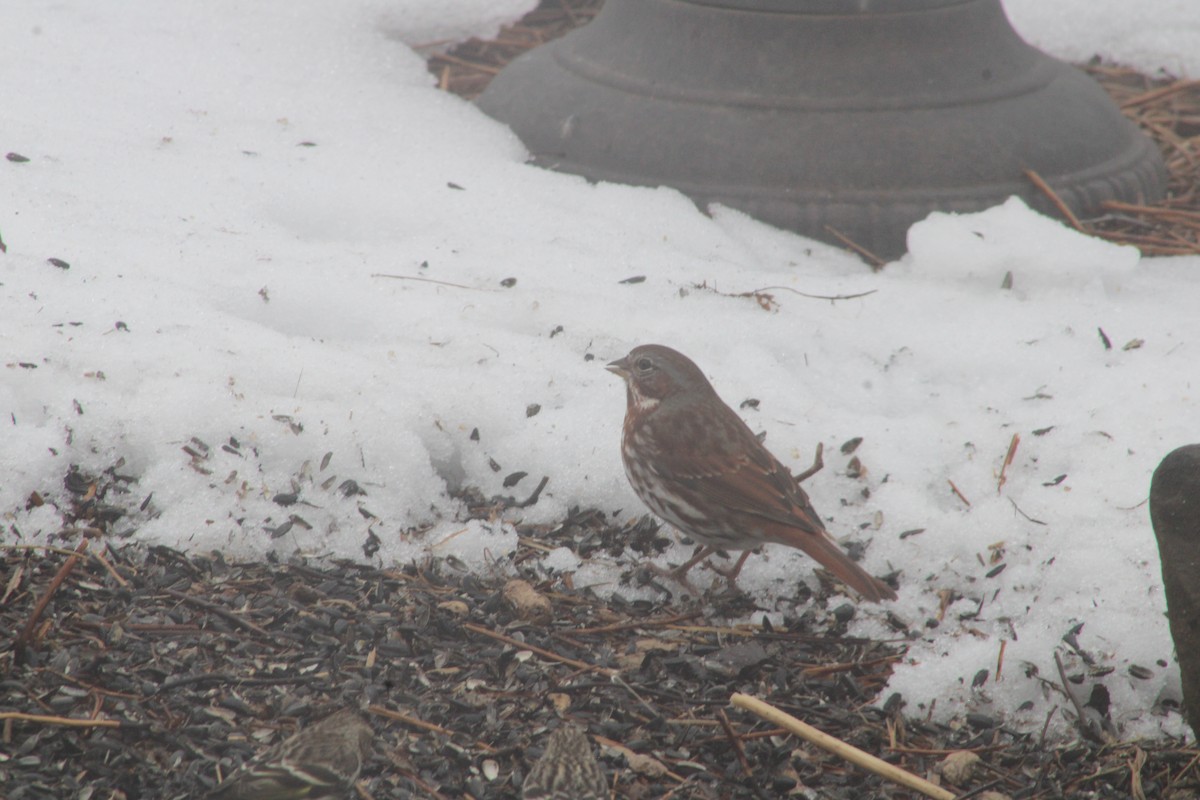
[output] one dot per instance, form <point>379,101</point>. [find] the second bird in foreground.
<point>321,761</point>
<point>567,770</point>
<point>698,466</point>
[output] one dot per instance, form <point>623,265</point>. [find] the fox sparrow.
<point>692,460</point>
<point>323,760</point>
<point>567,770</point>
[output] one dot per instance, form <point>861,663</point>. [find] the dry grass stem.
<point>839,748</point>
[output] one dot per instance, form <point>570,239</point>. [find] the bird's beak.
<point>619,367</point>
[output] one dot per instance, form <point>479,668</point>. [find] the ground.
<point>144,672</point>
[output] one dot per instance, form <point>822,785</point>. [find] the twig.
<point>840,748</point>
<point>1008,459</point>
<point>693,722</point>
<point>1149,245</point>
<point>547,654</point>
<point>713,629</point>
<point>1042,738</point>
<point>832,669</point>
<point>1181,774</point>
<point>67,721</point>
<point>617,679</point>
<point>233,679</point>
<point>769,733</point>
<point>649,623</point>
<point>26,635</point>
<point>462,62</point>
<point>1154,211</point>
<point>1023,514</point>
<point>429,280</point>
<point>767,302</point>
<point>91,687</point>
<point>1159,93</point>
<point>738,750</point>
<point>219,611</point>
<point>806,294</point>
<point>871,258</point>
<point>1045,189</point>
<point>1135,774</point>
<point>1089,729</point>
<point>416,722</point>
<point>434,43</point>
<point>68,552</point>
<point>143,627</point>
<point>111,569</point>
<point>945,751</point>
<point>957,493</point>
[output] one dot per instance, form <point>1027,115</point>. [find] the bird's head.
<point>654,372</point>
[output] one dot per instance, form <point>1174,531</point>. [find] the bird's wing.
<point>728,465</point>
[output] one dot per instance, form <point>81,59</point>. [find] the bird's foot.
<point>677,575</point>
<point>730,575</point>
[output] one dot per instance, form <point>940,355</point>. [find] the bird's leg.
<point>679,574</point>
<point>817,465</point>
<point>702,552</point>
<point>730,575</point>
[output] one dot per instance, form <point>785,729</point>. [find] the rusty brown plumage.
<point>697,465</point>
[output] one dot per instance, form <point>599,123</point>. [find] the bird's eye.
<point>644,365</point>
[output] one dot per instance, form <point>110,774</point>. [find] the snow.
<point>1153,36</point>
<point>292,255</point>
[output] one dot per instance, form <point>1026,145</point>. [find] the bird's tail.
<point>823,549</point>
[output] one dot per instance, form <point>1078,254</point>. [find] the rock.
<point>527,602</point>
<point>957,768</point>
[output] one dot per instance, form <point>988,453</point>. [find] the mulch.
<point>134,671</point>
<point>129,671</point>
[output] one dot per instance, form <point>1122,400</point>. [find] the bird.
<point>695,464</point>
<point>567,770</point>
<point>321,761</point>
